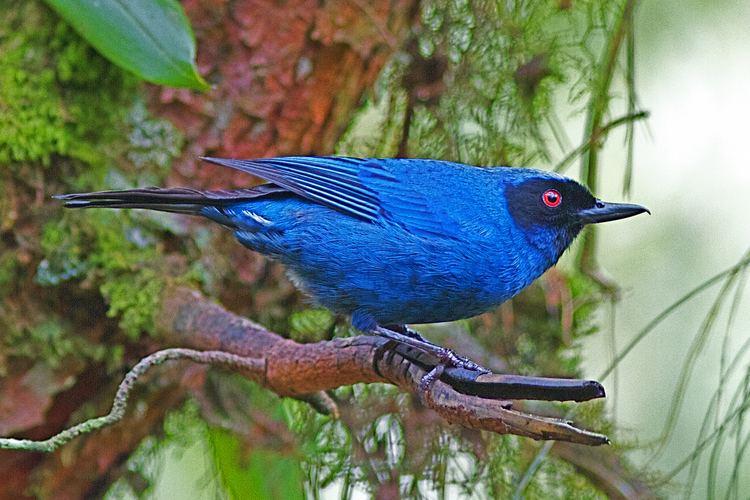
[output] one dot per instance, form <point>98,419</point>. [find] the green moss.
<point>136,299</point>
<point>109,248</point>
<point>62,104</point>
<point>51,341</point>
<point>311,325</point>
<point>31,111</point>
<point>57,95</point>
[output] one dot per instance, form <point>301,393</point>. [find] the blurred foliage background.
<point>563,85</point>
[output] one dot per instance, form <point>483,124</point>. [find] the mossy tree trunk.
<point>287,78</point>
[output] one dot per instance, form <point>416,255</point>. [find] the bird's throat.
<point>550,243</point>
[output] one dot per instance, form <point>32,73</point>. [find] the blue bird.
<point>393,241</point>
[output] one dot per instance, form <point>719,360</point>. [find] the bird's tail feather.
<point>176,200</point>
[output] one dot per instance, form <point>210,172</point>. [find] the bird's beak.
<point>605,212</point>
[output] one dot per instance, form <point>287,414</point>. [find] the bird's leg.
<point>453,358</point>
<point>406,330</point>
<point>445,357</point>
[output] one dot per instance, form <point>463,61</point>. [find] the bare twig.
<point>247,365</point>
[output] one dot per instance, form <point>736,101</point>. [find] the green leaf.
<point>151,38</point>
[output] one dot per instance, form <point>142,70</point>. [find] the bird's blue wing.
<point>402,200</point>
<point>363,188</point>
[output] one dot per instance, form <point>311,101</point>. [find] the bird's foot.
<point>425,383</point>
<point>474,381</point>
<point>445,357</point>
<point>450,359</point>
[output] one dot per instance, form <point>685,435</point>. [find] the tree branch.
<point>292,369</point>
<point>210,334</point>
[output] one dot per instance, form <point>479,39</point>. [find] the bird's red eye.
<point>552,198</point>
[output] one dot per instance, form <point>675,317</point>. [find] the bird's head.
<point>552,210</point>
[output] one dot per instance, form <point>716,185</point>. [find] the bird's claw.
<point>444,358</point>
<point>450,359</point>
<point>425,383</point>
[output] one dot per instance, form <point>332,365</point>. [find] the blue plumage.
<point>393,241</point>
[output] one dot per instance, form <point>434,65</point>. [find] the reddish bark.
<point>286,77</point>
